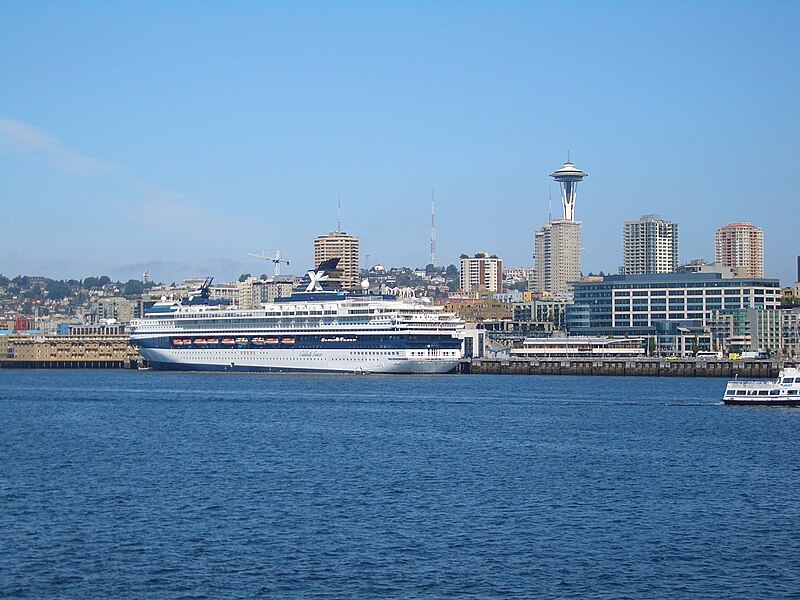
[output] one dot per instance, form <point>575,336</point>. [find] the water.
<point>161,485</point>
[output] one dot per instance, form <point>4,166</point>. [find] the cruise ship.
<point>315,329</point>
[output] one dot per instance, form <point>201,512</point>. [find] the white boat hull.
<point>333,360</point>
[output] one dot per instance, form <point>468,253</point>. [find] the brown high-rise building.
<point>741,245</point>
<point>338,244</point>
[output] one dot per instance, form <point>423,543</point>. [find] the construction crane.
<point>276,260</point>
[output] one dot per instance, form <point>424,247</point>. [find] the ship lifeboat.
<point>177,342</point>
<point>228,341</point>
<point>212,341</point>
<point>241,340</point>
<point>287,341</point>
<point>258,341</point>
<point>200,341</point>
<point>272,340</point>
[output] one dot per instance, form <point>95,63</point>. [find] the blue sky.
<point>179,136</point>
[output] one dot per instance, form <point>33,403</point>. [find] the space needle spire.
<point>568,176</point>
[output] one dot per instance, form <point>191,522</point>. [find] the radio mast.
<point>433,229</point>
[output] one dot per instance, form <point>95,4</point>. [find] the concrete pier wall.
<point>743,369</point>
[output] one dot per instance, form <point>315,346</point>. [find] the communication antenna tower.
<point>433,229</point>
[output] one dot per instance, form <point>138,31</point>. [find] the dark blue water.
<point>160,485</point>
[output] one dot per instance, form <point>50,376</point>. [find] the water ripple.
<point>125,484</point>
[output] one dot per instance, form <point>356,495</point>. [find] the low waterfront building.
<point>675,307</point>
<point>771,332</point>
<point>67,351</point>
<point>583,347</point>
<point>473,341</point>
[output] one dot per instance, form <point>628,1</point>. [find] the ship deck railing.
<point>751,384</point>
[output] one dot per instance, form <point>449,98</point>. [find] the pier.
<point>639,367</point>
<point>68,352</point>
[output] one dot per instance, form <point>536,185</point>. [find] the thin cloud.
<point>155,208</point>
<point>20,137</point>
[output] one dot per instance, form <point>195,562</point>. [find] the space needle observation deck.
<point>568,176</point>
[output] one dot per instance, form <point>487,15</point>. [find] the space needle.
<point>568,176</point>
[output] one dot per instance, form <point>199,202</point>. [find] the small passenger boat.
<point>785,391</point>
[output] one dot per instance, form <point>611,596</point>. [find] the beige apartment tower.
<point>558,257</point>
<point>338,244</point>
<point>741,245</point>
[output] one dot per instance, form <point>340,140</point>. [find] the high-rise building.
<point>741,245</point>
<point>558,257</point>
<point>558,243</point>
<point>650,246</point>
<point>481,273</point>
<point>338,244</point>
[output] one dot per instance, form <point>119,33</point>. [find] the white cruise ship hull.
<point>291,360</point>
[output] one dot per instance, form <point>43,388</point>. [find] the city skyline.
<point>153,138</point>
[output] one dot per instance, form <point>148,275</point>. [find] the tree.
<point>651,346</point>
<point>104,280</point>
<point>429,268</point>
<point>244,276</point>
<point>464,256</point>
<point>3,280</point>
<point>452,270</point>
<point>57,290</point>
<point>21,281</point>
<point>133,287</point>
<point>90,283</point>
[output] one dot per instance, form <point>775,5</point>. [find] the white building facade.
<point>482,274</point>
<point>650,246</point>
